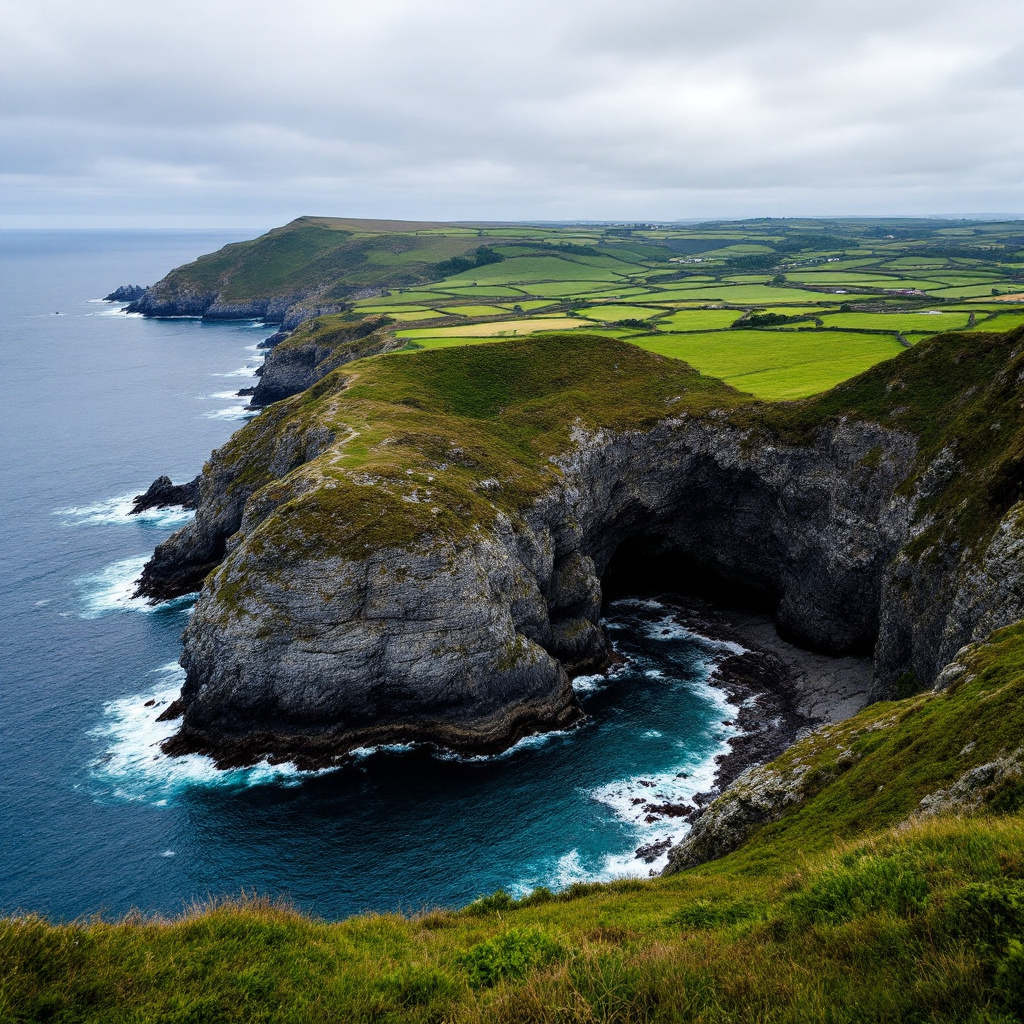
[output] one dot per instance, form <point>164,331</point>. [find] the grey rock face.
<point>975,787</point>
<point>289,369</point>
<point>465,642</point>
<point>935,604</point>
<point>126,293</point>
<point>167,298</point>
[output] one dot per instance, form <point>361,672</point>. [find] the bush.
<point>868,885</point>
<point>712,914</point>
<point>509,956</point>
<point>985,913</point>
<point>499,900</point>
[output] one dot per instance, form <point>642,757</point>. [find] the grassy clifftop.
<point>427,445</point>
<point>312,252</point>
<point>855,906</point>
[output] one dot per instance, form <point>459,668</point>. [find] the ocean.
<point>93,817</point>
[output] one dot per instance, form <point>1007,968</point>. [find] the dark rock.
<point>126,293</point>
<point>162,493</point>
<point>650,853</point>
<point>310,356</point>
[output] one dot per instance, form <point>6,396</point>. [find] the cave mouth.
<point>651,565</point>
<point>648,566</point>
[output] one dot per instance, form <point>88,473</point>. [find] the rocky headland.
<point>414,547</point>
<point>126,293</point>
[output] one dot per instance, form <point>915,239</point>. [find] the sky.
<point>139,113</point>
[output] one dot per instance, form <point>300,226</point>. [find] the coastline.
<point>780,691</point>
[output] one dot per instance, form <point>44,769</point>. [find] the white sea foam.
<point>117,310</point>
<point>234,412</point>
<point>111,589</point>
<point>242,371</point>
<point>133,768</point>
<point>115,512</point>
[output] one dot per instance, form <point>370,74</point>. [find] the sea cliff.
<point>414,547</point>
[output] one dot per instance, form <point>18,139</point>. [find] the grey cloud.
<point>662,108</point>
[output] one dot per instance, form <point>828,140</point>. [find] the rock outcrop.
<point>163,493</point>
<point>402,571</point>
<point>298,361</point>
<point>126,293</point>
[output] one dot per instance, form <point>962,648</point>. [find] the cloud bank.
<point>250,112</point>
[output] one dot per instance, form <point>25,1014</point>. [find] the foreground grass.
<point>849,909</point>
<point>919,924</point>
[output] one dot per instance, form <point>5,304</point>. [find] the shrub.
<point>868,885</point>
<point>499,900</point>
<point>712,914</point>
<point>509,956</point>
<point>985,913</point>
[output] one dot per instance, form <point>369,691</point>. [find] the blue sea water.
<point>93,818</point>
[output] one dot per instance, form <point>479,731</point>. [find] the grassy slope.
<point>848,909</point>
<point>431,426</point>
<point>416,433</point>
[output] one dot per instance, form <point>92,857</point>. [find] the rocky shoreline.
<point>779,690</point>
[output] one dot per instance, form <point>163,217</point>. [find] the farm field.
<point>1000,322</point>
<point>864,279</point>
<point>611,312</point>
<point>496,328</point>
<point>773,364</point>
<point>476,310</point>
<point>929,321</point>
<point>700,320</point>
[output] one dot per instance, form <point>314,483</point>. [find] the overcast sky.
<point>250,112</point>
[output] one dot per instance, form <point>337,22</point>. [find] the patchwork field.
<point>680,289</point>
<point>774,364</point>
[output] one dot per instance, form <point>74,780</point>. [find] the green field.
<point>932,322</point>
<point>476,310</point>
<point>775,364</point>
<point>496,328</point>
<point>699,320</point>
<point>611,312</point>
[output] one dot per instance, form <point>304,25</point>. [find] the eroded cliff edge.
<point>413,548</point>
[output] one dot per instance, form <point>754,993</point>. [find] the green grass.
<point>932,322</point>
<point>777,364</point>
<point>700,320</point>
<point>507,328</point>
<point>1002,322</point>
<point>469,310</point>
<point>529,269</point>
<point>611,312</point>
<point>969,290</point>
<point>481,291</point>
<point>757,294</point>
<point>568,288</point>
<point>849,909</point>
<point>415,314</point>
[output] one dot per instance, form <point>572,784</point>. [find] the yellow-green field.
<point>774,364</point>
<point>498,328</point>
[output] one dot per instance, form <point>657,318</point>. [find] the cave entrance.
<point>647,566</point>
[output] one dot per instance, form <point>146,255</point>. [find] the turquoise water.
<point>93,816</point>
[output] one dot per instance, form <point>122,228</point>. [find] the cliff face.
<point>316,348</point>
<point>385,578</point>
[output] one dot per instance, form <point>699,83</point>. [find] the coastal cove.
<point>97,820</point>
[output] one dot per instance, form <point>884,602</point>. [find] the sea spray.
<point>133,768</point>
